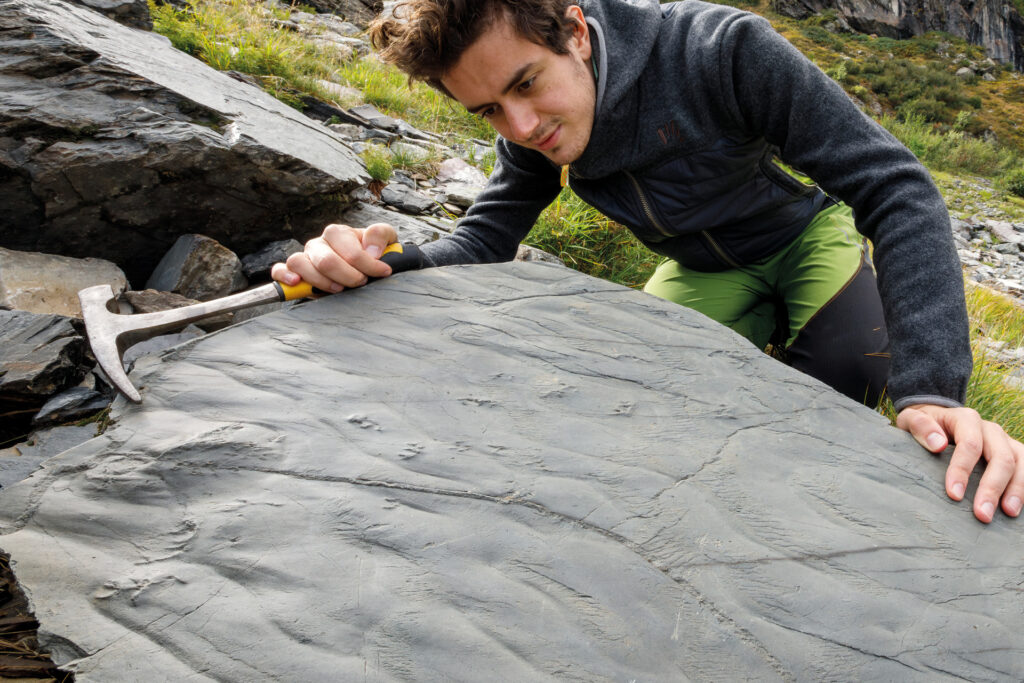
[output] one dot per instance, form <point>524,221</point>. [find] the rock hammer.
<point>110,333</point>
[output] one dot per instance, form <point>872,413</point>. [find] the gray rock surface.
<point>44,283</point>
<point>113,143</point>
<point>198,267</point>
<point>21,460</point>
<point>513,473</point>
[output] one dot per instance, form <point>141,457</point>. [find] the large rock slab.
<point>513,473</point>
<point>113,143</point>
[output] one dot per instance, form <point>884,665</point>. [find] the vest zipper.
<point>646,206</point>
<point>719,252</point>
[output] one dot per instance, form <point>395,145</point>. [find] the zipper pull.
<point>565,176</point>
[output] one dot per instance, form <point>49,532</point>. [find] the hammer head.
<point>108,336</point>
<point>110,333</point>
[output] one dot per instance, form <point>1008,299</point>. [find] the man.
<point>668,118</point>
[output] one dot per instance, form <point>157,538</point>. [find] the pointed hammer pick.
<point>110,333</point>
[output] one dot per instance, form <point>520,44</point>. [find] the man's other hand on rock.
<point>1002,483</point>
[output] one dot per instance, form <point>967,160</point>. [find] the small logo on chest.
<point>670,133</point>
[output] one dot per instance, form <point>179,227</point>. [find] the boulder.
<point>134,13</point>
<point>198,267</point>
<point>406,199</point>
<point>358,12</point>
<point>509,472</point>
<point>257,266</point>
<point>995,24</point>
<point>113,143</point>
<point>44,283</point>
<point>1005,231</point>
<point>455,170</point>
<point>374,118</point>
<point>39,356</point>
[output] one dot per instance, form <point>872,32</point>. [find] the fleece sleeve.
<point>522,184</point>
<point>770,88</point>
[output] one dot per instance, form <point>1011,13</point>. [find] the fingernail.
<point>958,490</point>
<point>335,287</point>
<point>1014,504</point>
<point>988,509</point>
<point>374,251</point>
<point>935,441</point>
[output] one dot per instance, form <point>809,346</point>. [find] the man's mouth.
<point>550,140</point>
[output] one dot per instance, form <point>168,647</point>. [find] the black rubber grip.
<point>409,258</point>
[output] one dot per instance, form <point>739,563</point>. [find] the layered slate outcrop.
<point>995,24</point>
<point>113,143</point>
<point>509,472</point>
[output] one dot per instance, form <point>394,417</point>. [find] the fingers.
<point>1013,499</point>
<point>964,426</point>
<point>341,257</point>
<point>1002,483</point>
<point>998,472</point>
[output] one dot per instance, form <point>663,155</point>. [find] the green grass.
<point>953,150</point>
<point>994,315</point>
<point>992,393</point>
<point>587,241</point>
<point>390,91</point>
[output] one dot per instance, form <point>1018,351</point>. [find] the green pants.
<point>816,300</point>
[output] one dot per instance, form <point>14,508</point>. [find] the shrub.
<point>924,108</point>
<point>1013,181</point>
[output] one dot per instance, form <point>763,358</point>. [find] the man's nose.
<point>522,121</point>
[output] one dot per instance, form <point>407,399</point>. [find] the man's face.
<point>532,96</point>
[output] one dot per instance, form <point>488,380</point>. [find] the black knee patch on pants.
<point>845,344</point>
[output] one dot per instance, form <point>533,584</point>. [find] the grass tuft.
<point>589,242</point>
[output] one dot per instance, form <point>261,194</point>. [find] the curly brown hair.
<point>426,38</point>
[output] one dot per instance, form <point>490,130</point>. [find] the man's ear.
<point>579,41</point>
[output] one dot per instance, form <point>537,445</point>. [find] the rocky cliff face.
<point>996,24</point>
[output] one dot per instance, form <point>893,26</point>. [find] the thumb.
<point>377,237</point>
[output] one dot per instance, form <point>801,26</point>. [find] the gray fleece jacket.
<point>693,100</point>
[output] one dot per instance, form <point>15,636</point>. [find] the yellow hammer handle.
<point>412,260</point>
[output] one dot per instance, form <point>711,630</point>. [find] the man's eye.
<point>527,84</point>
<point>486,113</point>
